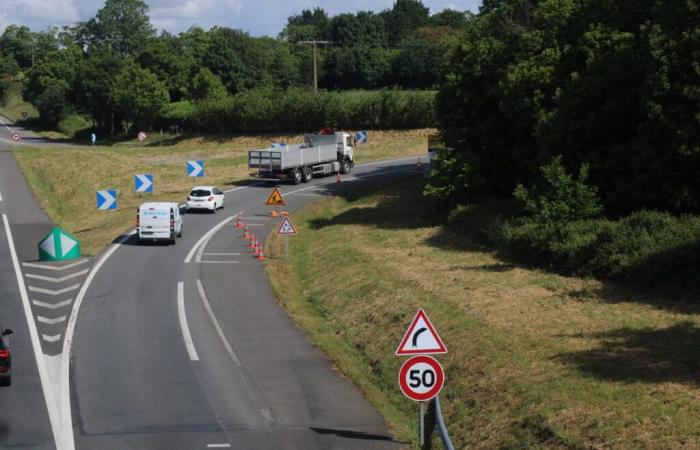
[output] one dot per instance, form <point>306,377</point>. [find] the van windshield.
<point>200,193</point>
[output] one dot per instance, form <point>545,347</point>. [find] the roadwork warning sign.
<point>275,198</point>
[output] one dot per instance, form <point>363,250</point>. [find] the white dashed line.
<point>186,336</point>
<point>218,445</point>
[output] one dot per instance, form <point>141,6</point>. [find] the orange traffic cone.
<point>337,177</point>
<point>257,249</point>
<point>246,233</point>
<point>261,255</point>
<point>239,224</point>
<point>253,243</point>
<point>273,213</point>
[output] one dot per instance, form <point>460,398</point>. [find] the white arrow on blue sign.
<point>195,168</point>
<point>143,183</point>
<point>107,199</point>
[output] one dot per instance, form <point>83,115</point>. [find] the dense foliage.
<point>119,71</point>
<point>613,85</point>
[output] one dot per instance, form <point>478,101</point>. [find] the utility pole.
<point>314,45</point>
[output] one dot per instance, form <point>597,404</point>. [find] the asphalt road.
<point>175,347</point>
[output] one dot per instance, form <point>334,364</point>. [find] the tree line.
<point>118,70</point>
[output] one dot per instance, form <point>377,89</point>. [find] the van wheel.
<point>308,174</point>
<point>298,177</point>
<point>179,233</point>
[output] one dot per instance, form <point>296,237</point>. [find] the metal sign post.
<point>421,423</point>
<point>286,246</point>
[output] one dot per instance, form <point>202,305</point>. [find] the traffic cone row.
<point>253,243</point>
<point>239,224</point>
<point>255,246</point>
<point>246,233</point>
<point>261,255</point>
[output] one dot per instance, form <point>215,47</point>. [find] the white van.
<point>158,221</point>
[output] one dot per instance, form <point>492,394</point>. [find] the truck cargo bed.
<point>291,156</point>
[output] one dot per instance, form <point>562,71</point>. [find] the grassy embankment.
<point>12,105</point>
<point>536,360</point>
<point>65,180</point>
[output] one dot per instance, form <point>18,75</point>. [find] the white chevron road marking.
<point>52,305</point>
<point>52,292</point>
<point>51,321</point>
<point>56,268</point>
<point>53,338</point>
<point>57,280</point>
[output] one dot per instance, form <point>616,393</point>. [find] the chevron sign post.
<point>143,183</point>
<point>107,199</point>
<point>58,246</point>
<point>195,168</point>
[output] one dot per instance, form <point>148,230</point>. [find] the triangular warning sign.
<point>286,227</point>
<point>421,338</point>
<point>275,199</point>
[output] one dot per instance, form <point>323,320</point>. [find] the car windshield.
<point>200,193</point>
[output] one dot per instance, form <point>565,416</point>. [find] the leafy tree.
<point>138,95</point>
<point>207,86</point>
<point>17,43</point>
<point>122,25</point>
<point>171,61</point>
<point>309,25</point>
<point>450,18</point>
<point>404,18</point>
<point>100,68</point>
<point>51,104</point>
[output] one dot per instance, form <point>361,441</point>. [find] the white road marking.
<point>186,336</point>
<point>311,195</point>
<point>315,186</point>
<point>52,305</point>
<point>51,321</point>
<point>51,405</point>
<point>57,280</point>
<point>255,224</point>
<point>52,292</point>
<point>256,218</point>
<point>244,187</point>
<point>219,330</point>
<point>217,262</point>
<point>206,237</point>
<point>218,445</point>
<point>0,196</point>
<point>64,377</point>
<point>57,268</point>
<point>53,338</point>
<point>221,254</point>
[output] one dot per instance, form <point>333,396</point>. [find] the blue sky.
<point>258,17</point>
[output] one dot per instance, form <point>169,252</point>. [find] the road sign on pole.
<point>58,246</point>
<point>275,198</point>
<point>421,338</point>
<point>195,168</point>
<point>421,378</point>
<point>143,183</point>
<point>286,228</point>
<point>107,199</point>
<point>16,136</point>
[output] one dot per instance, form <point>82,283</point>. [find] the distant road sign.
<point>58,246</point>
<point>286,228</point>
<point>361,136</point>
<point>275,198</point>
<point>142,136</point>
<point>16,136</point>
<point>421,338</point>
<point>195,168</point>
<point>107,199</point>
<point>421,378</point>
<point>143,183</point>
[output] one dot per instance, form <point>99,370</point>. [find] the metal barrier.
<point>444,436</point>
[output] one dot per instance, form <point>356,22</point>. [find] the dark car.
<point>5,358</point>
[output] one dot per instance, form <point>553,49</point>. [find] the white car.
<point>208,198</point>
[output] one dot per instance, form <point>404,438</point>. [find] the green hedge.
<point>299,110</point>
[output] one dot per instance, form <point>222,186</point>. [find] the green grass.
<point>12,105</point>
<point>536,360</point>
<point>65,179</point>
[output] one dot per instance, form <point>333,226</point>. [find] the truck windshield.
<point>200,193</point>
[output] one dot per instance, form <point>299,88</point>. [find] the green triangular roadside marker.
<point>58,246</point>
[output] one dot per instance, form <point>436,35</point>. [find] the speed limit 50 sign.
<point>421,378</point>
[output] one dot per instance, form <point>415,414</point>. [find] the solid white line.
<point>259,183</point>
<point>186,336</point>
<point>218,445</point>
<point>56,280</point>
<point>52,292</point>
<point>205,237</point>
<point>255,224</point>
<point>36,345</point>
<point>65,356</point>
<point>221,254</point>
<point>51,305</point>
<point>0,196</point>
<point>57,268</point>
<point>51,321</point>
<point>315,186</point>
<point>310,195</point>
<point>219,330</point>
<point>256,218</point>
<point>217,262</point>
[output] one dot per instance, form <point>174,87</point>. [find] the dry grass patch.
<point>535,360</point>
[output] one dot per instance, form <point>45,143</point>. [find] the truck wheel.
<point>308,174</point>
<point>345,166</point>
<point>298,177</point>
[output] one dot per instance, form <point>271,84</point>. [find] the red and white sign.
<point>16,136</point>
<point>142,136</point>
<point>421,378</point>
<point>286,228</point>
<point>421,338</point>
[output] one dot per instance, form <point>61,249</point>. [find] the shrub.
<point>74,124</point>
